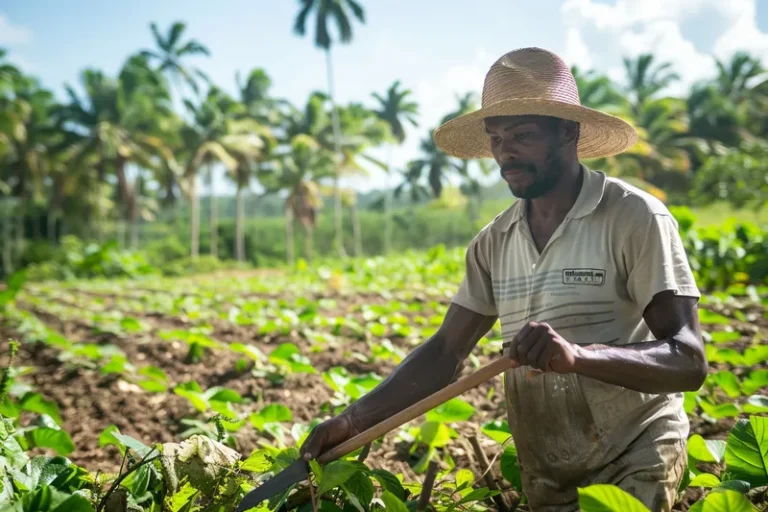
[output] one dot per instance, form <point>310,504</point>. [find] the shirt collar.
<point>590,195</point>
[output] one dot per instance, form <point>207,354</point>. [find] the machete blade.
<point>294,473</point>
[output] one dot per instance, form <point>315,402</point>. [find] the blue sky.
<point>438,49</point>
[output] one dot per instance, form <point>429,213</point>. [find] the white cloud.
<point>11,34</point>
<point>603,34</point>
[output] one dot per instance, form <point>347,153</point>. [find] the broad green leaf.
<point>392,503</point>
<point>258,462</point>
<point>464,476</point>
<point>720,410</point>
<point>360,486</point>
<point>336,473</point>
<point>225,395</point>
<point>690,402</point>
<point>728,382</point>
<point>697,507</point>
<point>608,498</point>
<point>746,451</point>
<point>707,317</point>
<point>389,482</point>
<point>129,442</point>
<point>435,434</point>
<point>153,372</point>
<point>725,336</point>
<point>756,404</point>
<point>74,503</point>
<point>705,480</point>
<point>756,380</point>
<point>706,450</point>
<point>455,409</point>
<point>726,501</point>
<point>272,413</point>
<point>497,430</point>
<point>35,402</point>
<point>735,485</point>
<point>755,355</point>
<point>44,437</point>
<point>510,468</point>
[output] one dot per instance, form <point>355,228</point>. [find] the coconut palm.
<point>645,79</point>
<point>298,171</point>
<point>395,108</point>
<point>341,13</point>
<point>171,53</point>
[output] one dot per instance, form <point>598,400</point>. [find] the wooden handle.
<point>414,411</point>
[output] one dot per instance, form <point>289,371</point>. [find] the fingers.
<point>521,335</point>
<point>314,442</point>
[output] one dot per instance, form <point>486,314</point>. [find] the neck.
<point>559,201</point>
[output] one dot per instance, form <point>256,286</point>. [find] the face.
<point>530,152</point>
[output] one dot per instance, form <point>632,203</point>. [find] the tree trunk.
<point>309,241</point>
<point>214,214</point>
<point>194,215</point>
<point>289,236</point>
<point>356,231</point>
<point>339,229</point>
<point>239,228</point>
<point>388,200</point>
<point>20,234</point>
<point>7,237</point>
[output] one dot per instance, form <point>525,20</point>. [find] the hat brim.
<point>600,134</point>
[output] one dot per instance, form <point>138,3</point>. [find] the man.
<point>593,288</point>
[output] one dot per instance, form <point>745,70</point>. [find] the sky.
<point>437,48</point>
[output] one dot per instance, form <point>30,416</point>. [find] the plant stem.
<point>426,489</point>
<point>485,468</point>
<point>123,476</point>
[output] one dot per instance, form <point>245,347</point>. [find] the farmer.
<point>597,302</point>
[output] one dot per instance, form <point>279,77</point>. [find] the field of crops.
<point>107,371</point>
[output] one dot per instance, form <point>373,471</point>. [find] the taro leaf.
<point>705,480</point>
<point>608,498</point>
<point>747,451</point>
<point>707,317</point>
<point>728,382</point>
<point>706,450</point>
<point>126,441</point>
<point>453,410</point>
<point>389,483</point>
<point>725,336</point>
<point>359,488</point>
<point>35,402</point>
<point>755,355</point>
<point>435,434</point>
<point>756,404</point>
<point>45,437</point>
<point>720,410</point>
<point>219,394</point>
<point>756,380</point>
<point>497,430</point>
<point>272,413</point>
<point>726,501</point>
<point>392,503</point>
<point>336,473</point>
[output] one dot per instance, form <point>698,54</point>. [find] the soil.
<point>90,400</point>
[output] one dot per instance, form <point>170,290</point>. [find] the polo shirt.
<point>616,248</point>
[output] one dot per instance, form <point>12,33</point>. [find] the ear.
<point>569,131</point>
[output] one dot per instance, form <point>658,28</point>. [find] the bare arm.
<point>674,362</point>
<point>425,370</point>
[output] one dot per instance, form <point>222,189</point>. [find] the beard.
<point>545,177</point>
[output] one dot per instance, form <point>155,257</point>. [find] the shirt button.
<point>565,455</point>
<point>552,457</point>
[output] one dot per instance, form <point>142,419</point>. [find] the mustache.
<point>517,166</point>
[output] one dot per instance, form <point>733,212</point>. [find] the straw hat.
<point>532,81</point>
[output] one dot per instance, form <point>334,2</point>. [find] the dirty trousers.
<point>651,473</point>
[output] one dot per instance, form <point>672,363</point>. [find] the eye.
<point>523,135</point>
<point>495,139</point>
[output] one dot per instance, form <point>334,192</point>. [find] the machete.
<point>299,471</point>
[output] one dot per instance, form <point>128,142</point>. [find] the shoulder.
<point>488,238</point>
<point>629,205</point>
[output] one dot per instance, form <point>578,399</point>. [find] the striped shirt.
<point>617,247</point>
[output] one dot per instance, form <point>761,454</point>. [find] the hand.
<point>326,435</point>
<point>538,345</point>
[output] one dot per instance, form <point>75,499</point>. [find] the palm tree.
<point>120,120</point>
<point>393,109</point>
<point>172,51</point>
<point>341,12</point>
<point>645,80</point>
<point>298,171</point>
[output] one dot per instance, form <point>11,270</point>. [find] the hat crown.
<point>530,73</point>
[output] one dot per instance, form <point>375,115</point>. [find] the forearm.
<point>427,369</point>
<point>661,366</point>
